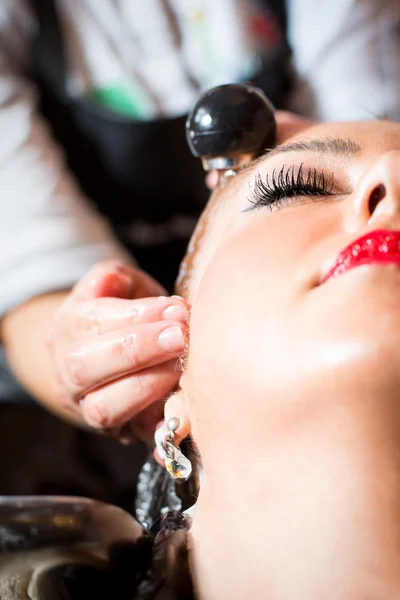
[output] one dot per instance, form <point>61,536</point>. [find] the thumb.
<point>290,124</point>
<point>111,279</point>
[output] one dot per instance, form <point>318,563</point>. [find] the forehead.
<point>372,138</point>
<point>370,135</point>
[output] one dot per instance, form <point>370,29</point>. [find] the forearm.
<point>24,333</point>
<point>60,235</point>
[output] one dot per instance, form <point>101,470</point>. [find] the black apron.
<point>140,174</point>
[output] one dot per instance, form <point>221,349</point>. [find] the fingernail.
<point>176,312</point>
<point>171,339</point>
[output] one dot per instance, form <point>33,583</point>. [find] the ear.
<point>175,406</point>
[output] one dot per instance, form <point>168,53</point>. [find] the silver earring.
<point>177,464</point>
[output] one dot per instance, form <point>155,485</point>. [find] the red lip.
<point>381,246</point>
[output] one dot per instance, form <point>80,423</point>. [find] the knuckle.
<point>127,348</point>
<point>89,321</point>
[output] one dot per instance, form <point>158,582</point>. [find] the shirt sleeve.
<point>346,57</point>
<point>50,234</point>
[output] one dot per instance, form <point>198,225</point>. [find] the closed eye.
<point>288,184</point>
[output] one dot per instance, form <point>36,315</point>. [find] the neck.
<point>311,513</point>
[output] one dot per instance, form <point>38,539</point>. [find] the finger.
<point>212,179</point>
<point>116,403</point>
<point>115,279</point>
<point>68,320</point>
<point>290,124</point>
<point>141,428</point>
<point>147,286</point>
<point>108,278</point>
<point>144,424</point>
<point>114,355</point>
<point>104,315</point>
<point>123,434</point>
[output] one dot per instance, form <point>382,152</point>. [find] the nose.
<point>376,198</point>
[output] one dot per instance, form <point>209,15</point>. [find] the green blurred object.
<point>123,99</point>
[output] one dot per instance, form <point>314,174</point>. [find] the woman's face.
<point>270,339</point>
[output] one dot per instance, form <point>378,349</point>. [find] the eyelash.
<point>289,183</point>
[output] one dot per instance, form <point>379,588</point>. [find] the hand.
<point>115,344</point>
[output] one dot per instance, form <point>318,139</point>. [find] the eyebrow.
<point>333,146</point>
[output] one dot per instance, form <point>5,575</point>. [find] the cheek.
<point>261,344</point>
<point>242,320</point>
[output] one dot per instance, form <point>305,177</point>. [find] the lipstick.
<point>381,246</point>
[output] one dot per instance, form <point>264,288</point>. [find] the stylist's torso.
<point>115,81</point>
<point>118,80</point>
